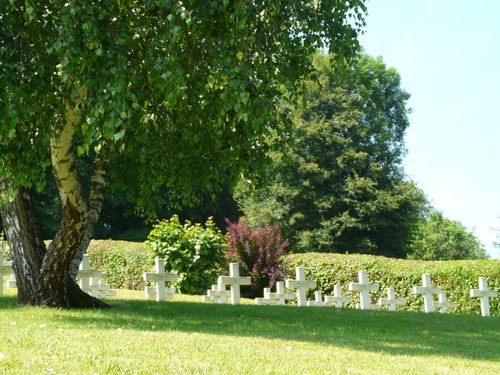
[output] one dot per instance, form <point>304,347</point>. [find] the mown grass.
<point>186,336</point>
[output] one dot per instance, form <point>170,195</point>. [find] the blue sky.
<point>447,53</point>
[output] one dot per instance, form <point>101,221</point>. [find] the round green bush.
<point>194,252</point>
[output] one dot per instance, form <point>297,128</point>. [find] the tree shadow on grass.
<point>394,333</point>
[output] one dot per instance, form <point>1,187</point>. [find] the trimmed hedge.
<point>123,263</point>
<point>456,278</point>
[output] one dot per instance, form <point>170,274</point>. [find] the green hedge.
<point>456,278</point>
<point>123,263</point>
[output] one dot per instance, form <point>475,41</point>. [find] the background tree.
<point>439,238</point>
<point>168,93</point>
<point>341,187</point>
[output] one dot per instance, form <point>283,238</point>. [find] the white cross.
<point>160,276</point>
<point>235,280</point>
<point>151,292</point>
<point>484,293</point>
<point>364,287</point>
<point>318,300</point>
<point>12,282</point>
<point>85,274</point>
<point>443,304</point>
<point>337,297</point>
<point>219,294</point>
<point>280,294</point>
<point>427,290</point>
<point>391,300</point>
<point>301,284</point>
<point>266,300</point>
<point>4,270</point>
<point>207,298</point>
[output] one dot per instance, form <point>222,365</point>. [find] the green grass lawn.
<point>186,336</point>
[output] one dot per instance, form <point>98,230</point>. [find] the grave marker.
<point>5,269</point>
<point>85,274</point>
<point>443,304</point>
<point>301,284</point>
<point>391,300</point>
<point>219,293</point>
<point>151,292</point>
<point>364,287</point>
<point>318,300</point>
<point>266,300</point>
<point>207,298</point>
<point>427,290</point>
<point>160,276</point>
<point>235,280</point>
<point>12,282</point>
<point>484,293</point>
<point>337,297</point>
<point>280,294</point>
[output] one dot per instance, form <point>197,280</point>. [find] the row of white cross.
<point>219,294</point>
<point>91,281</point>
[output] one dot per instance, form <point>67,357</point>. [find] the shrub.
<point>195,253</point>
<point>259,252</point>
<point>123,263</point>
<point>456,278</point>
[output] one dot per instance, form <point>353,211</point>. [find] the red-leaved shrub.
<point>258,251</point>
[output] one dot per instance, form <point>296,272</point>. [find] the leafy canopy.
<point>439,238</point>
<point>185,89</point>
<point>341,186</point>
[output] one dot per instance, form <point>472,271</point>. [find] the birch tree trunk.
<point>47,276</point>
<point>27,248</point>
<point>55,285</point>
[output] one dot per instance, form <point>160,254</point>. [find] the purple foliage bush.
<point>259,252</point>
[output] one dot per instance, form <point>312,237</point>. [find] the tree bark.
<point>56,287</point>
<point>43,274</point>
<point>27,248</point>
<point>96,200</point>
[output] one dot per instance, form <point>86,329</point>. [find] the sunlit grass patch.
<point>185,335</point>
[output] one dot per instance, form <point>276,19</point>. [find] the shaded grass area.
<point>187,336</point>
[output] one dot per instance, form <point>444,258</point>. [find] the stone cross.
<point>266,300</point>
<point>219,294</point>
<point>235,280</point>
<point>427,290</point>
<point>484,293</point>
<point>85,274</point>
<point>443,304</point>
<point>151,292</point>
<point>280,294</point>
<point>207,298</point>
<point>364,287</point>
<point>337,297</point>
<point>318,300</point>
<point>99,288</point>
<point>160,276</point>
<point>301,284</point>
<point>4,270</point>
<point>12,282</point>
<point>391,300</point>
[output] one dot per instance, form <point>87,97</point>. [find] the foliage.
<point>182,81</point>
<point>194,252</point>
<point>123,263</point>
<point>456,278</point>
<point>439,238</point>
<point>166,93</point>
<point>259,250</point>
<point>4,247</point>
<point>341,187</point>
